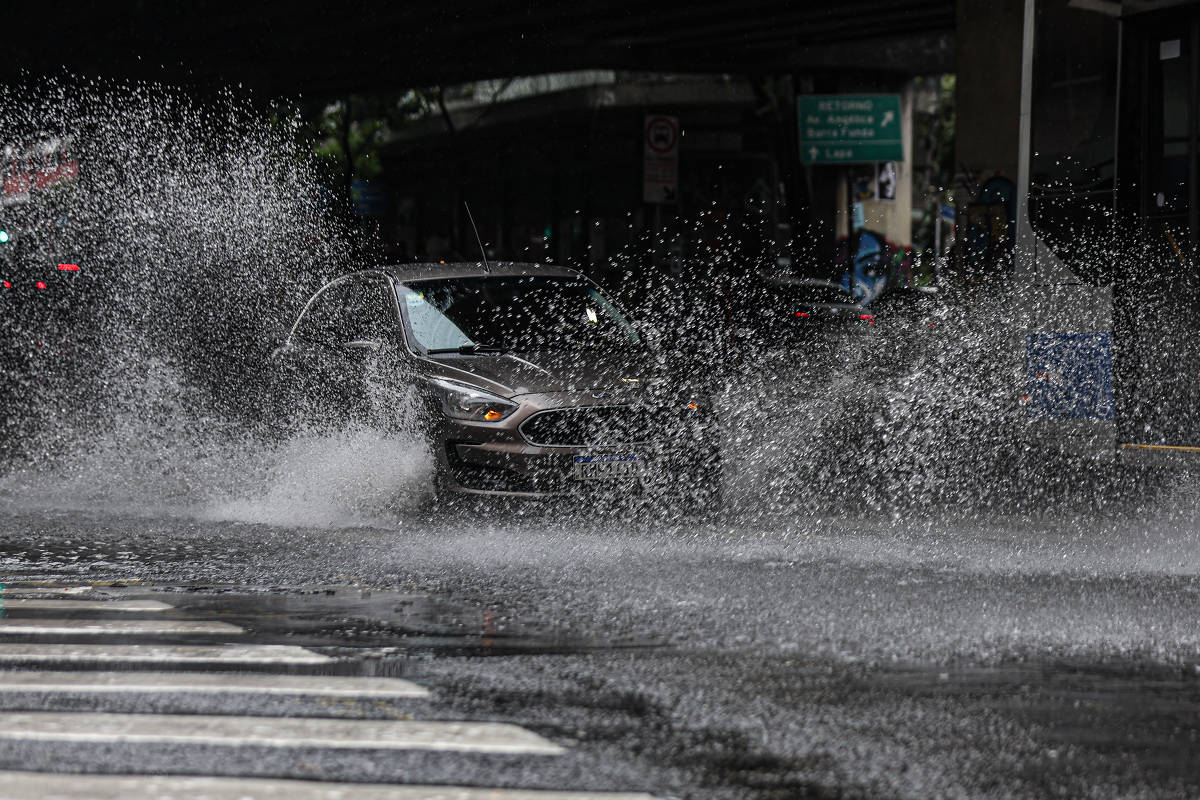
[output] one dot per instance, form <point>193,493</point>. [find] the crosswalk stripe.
<point>158,654</point>
<point>34,604</point>
<point>210,683</point>
<point>7,590</point>
<point>105,627</point>
<point>472,737</point>
<point>107,730</point>
<point>32,785</point>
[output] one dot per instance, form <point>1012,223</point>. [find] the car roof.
<point>423,271</point>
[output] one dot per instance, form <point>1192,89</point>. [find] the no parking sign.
<point>660,160</point>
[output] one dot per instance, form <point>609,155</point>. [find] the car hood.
<point>515,374</point>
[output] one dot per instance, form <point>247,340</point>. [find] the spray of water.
<point>199,227</point>
<point>915,414</point>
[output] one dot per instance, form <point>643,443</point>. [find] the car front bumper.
<point>499,460</point>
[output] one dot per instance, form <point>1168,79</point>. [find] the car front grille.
<point>597,426</point>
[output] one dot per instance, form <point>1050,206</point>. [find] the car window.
<point>907,302</point>
<point>430,326</point>
<point>369,312</point>
<point>354,309</point>
<point>318,323</point>
<point>817,294</point>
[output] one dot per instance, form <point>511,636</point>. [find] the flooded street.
<point>788,657</point>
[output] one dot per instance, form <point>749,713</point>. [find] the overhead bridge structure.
<point>334,49</point>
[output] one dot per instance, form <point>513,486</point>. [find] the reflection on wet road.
<point>784,657</point>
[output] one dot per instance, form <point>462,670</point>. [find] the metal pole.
<point>1025,252</point>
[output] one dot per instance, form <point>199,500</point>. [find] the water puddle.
<point>351,624</point>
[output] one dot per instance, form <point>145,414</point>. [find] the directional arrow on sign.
<point>813,152</point>
<point>888,116</point>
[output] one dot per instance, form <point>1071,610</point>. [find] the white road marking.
<point>158,654</point>
<point>470,737</point>
<point>7,589</point>
<point>210,683</point>
<point>18,604</point>
<point>38,786</point>
<point>104,627</point>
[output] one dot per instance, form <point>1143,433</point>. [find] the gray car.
<point>529,380</point>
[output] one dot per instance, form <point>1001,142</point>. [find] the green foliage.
<point>363,137</point>
<point>364,123</point>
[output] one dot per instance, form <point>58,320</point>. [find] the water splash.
<point>197,227</point>
<point>353,478</point>
<point>136,383</point>
<point>200,227</point>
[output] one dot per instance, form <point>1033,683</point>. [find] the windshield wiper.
<point>468,349</point>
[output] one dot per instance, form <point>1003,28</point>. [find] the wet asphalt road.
<point>769,657</point>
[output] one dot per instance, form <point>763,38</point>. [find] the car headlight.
<point>462,401</point>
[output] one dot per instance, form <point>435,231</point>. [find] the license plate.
<point>608,467</point>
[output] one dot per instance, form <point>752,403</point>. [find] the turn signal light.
<point>491,415</point>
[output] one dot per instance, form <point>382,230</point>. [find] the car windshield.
<point>512,312</point>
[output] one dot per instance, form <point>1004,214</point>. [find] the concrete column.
<point>891,218</point>
<point>989,38</point>
<point>894,219</point>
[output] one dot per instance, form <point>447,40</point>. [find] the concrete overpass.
<point>338,48</point>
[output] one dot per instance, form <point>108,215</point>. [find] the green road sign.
<point>849,128</point>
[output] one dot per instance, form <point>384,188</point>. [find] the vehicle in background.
<point>814,301</point>
<point>783,310</point>
<point>529,380</point>
<point>909,307</point>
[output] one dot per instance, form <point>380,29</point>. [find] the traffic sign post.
<point>850,128</point>
<point>660,159</point>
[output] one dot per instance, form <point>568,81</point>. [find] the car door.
<point>337,346</point>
